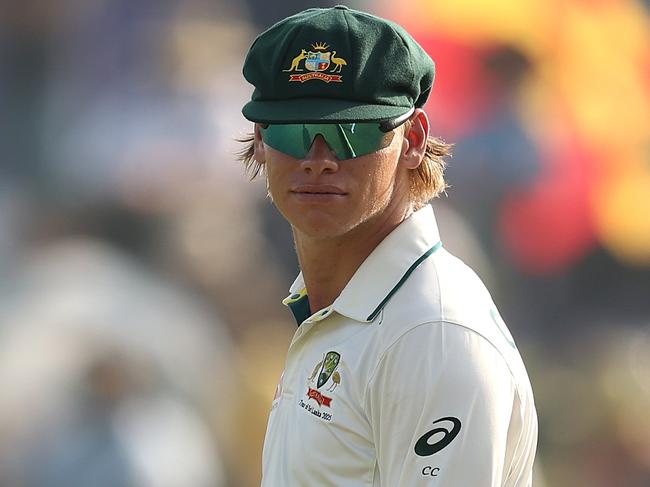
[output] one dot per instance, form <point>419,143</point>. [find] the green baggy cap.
<point>335,65</point>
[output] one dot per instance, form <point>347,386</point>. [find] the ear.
<point>258,146</point>
<point>415,140</point>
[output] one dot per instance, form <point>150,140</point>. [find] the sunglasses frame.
<point>339,143</point>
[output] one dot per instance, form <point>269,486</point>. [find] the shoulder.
<point>445,308</point>
<point>442,289</point>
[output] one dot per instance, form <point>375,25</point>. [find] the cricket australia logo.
<point>325,378</point>
<point>318,62</point>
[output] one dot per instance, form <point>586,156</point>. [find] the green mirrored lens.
<point>348,140</point>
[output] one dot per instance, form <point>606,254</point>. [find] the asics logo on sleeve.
<point>423,448</point>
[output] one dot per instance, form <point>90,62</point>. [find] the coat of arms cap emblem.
<point>317,61</point>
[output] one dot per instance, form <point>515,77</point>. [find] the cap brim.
<point>319,110</point>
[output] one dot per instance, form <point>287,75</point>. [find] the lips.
<point>318,189</point>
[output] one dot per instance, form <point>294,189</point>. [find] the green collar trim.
<point>298,303</point>
<point>300,308</point>
<point>406,275</point>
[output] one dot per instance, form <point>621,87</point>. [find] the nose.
<point>320,159</point>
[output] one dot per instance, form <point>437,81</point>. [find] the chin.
<point>321,225</point>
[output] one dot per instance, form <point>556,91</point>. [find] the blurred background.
<point>141,330</point>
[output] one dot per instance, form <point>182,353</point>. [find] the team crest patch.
<point>320,63</point>
<point>324,379</point>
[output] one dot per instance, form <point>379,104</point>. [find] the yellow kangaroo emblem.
<point>316,369</point>
<point>296,61</point>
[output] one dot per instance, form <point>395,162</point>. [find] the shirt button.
<point>323,314</point>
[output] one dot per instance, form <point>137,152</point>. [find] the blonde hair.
<point>427,181</point>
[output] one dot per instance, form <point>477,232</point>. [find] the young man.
<point>401,371</point>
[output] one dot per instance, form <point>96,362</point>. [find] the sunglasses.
<point>347,140</point>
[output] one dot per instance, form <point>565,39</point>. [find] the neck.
<point>328,264</point>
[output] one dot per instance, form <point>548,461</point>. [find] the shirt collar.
<point>382,273</point>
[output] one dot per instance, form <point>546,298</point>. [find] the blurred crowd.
<point>141,329</point>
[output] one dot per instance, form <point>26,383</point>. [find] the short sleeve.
<point>444,405</point>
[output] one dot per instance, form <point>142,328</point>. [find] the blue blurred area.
<point>141,330</point>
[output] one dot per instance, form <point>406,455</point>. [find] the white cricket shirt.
<point>410,378</point>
